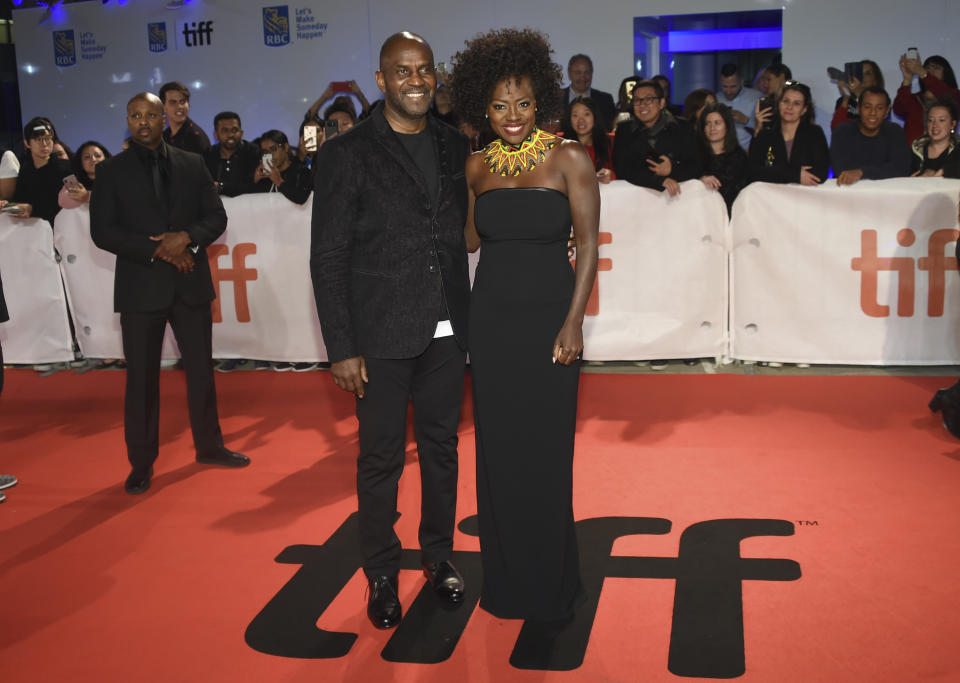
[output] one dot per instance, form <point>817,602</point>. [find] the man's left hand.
<point>850,177</point>
<point>172,245</point>
<point>184,262</point>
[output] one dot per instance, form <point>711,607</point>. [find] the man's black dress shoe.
<point>224,457</point>
<point>383,604</point>
<point>137,482</point>
<point>943,403</point>
<point>445,579</point>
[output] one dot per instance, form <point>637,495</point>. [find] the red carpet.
<point>181,584</point>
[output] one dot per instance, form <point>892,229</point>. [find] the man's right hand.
<point>350,374</point>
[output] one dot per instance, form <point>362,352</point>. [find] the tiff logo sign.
<point>706,637</point>
<point>593,303</point>
<point>197,33</point>
<point>239,275</point>
<point>935,263</point>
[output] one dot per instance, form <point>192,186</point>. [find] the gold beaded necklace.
<point>505,159</point>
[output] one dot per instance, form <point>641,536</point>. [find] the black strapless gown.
<point>525,406</point>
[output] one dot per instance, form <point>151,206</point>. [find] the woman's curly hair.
<point>492,57</point>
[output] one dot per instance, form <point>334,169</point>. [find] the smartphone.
<point>267,161</point>
<point>768,102</point>
<point>12,209</point>
<point>913,53</point>
<point>330,128</point>
<point>853,70</point>
<point>310,138</point>
<point>341,86</point>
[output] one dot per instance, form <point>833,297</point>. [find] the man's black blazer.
<point>384,254</point>
<point>604,102</point>
<point>124,212</point>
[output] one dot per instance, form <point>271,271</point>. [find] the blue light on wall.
<point>722,40</point>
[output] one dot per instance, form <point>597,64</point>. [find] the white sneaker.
<point>7,480</point>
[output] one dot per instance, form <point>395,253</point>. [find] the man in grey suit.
<point>580,72</point>
<point>157,209</point>
<point>389,267</point>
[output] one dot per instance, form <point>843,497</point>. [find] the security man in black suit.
<point>580,72</point>
<point>389,266</point>
<point>156,208</point>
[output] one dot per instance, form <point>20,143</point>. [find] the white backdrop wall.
<point>273,86</point>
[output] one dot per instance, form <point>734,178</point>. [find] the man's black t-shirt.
<point>420,147</point>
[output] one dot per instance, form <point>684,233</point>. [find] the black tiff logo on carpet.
<point>706,639</point>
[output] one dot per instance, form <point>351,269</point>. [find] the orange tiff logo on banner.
<point>593,303</point>
<point>239,274</point>
<point>936,263</point>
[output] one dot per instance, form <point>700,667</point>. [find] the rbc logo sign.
<point>157,36</point>
<point>64,48</point>
<point>276,26</point>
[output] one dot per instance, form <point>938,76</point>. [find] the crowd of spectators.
<point>727,137</point>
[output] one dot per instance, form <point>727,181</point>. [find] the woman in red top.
<point>936,79</point>
<point>585,124</point>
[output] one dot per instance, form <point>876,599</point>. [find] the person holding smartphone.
<point>41,176</point>
<point>862,75</point>
<point>776,77</point>
<point>346,89</point>
<point>280,171</point>
<point>936,80</point>
<point>78,186</point>
<point>795,149</point>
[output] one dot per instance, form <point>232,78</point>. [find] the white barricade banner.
<point>260,268</point>
<point>662,279</point>
<point>88,278</point>
<point>38,330</point>
<point>862,274</point>
<point>644,305</point>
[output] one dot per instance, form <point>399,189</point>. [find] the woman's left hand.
<point>78,193</point>
<point>604,175</point>
<point>711,181</point>
<point>569,344</point>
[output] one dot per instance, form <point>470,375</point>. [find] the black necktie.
<point>159,178</point>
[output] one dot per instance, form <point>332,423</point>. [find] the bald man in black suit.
<point>157,209</point>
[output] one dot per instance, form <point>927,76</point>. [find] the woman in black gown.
<point>526,314</point>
